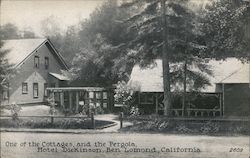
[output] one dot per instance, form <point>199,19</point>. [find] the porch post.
<point>139,98</point>
<point>77,101</point>
<point>220,98</point>
<point>70,100</point>
<point>62,100</point>
<point>156,102</point>
<point>223,99</point>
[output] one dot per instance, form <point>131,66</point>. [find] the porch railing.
<point>197,112</point>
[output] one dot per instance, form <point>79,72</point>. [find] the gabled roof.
<point>147,79</point>
<point>241,75</point>
<point>21,49</point>
<point>227,71</point>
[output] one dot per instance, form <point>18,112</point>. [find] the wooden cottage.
<point>228,95</point>
<point>38,65</point>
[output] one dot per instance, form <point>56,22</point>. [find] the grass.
<point>191,127</point>
<point>65,123</point>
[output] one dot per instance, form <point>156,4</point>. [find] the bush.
<point>209,127</point>
<point>123,95</point>
<point>15,110</point>
<point>134,111</point>
<point>99,110</point>
<point>52,104</point>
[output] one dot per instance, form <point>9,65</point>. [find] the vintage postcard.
<point>125,78</point>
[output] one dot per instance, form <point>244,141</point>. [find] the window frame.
<point>27,88</point>
<point>35,84</point>
<point>36,65</point>
<point>46,62</point>
<point>104,95</point>
<point>5,94</point>
<point>45,85</point>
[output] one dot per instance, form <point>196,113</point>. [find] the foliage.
<point>67,123</point>
<point>134,111</point>
<point>225,25</point>
<point>11,31</point>
<point>210,127</point>
<point>102,59</point>
<point>185,41</point>
<point>15,110</point>
<point>124,95</point>
<point>183,129</point>
<point>99,110</point>
<point>6,69</point>
<point>52,104</point>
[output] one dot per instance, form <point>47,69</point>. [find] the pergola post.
<point>62,99</point>
<point>77,101</point>
<point>70,100</point>
<point>52,95</point>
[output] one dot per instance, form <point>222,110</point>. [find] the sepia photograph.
<point>125,78</point>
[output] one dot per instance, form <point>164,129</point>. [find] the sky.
<point>28,14</point>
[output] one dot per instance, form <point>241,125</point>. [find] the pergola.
<point>73,96</point>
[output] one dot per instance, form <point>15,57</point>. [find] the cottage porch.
<point>202,105</point>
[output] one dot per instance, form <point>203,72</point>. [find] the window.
<point>98,95</point>
<point>146,98</point>
<point>105,95</point>
<point>24,88</point>
<point>46,62</point>
<point>36,61</point>
<point>35,90</point>
<point>91,95</point>
<point>52,84</point>
<point>45,91</point>
<point>105,105</point>
<point>5,94</point>
<point>98,104</point>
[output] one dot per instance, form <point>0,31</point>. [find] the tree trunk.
<point>184,88</point>
<point>165,64</point>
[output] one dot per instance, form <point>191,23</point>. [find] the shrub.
<point>123,95</point>
<point>209,127</point>
<point>15,110</point>
<point>134,111</point>
<point>99,110</point>
<point>183,129</point>
<point>52,104</point>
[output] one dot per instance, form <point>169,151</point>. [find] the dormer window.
<point>36,61</point>
<point>46,62</point>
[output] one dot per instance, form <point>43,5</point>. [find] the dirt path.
<point>113,118</point>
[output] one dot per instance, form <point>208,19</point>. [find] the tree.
<point>102,48</point>
<point>9,31</point>
<point>26,33</point>
<point>6,69</point>
<point>175,34</point>
<point>226,27</point>
<point>70,44</point>
<point>51,29</point>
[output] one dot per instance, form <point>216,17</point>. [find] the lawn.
<point>147,124</point>
<point>34,110</point>
<point>39,121</point>
<point>59,123</point>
